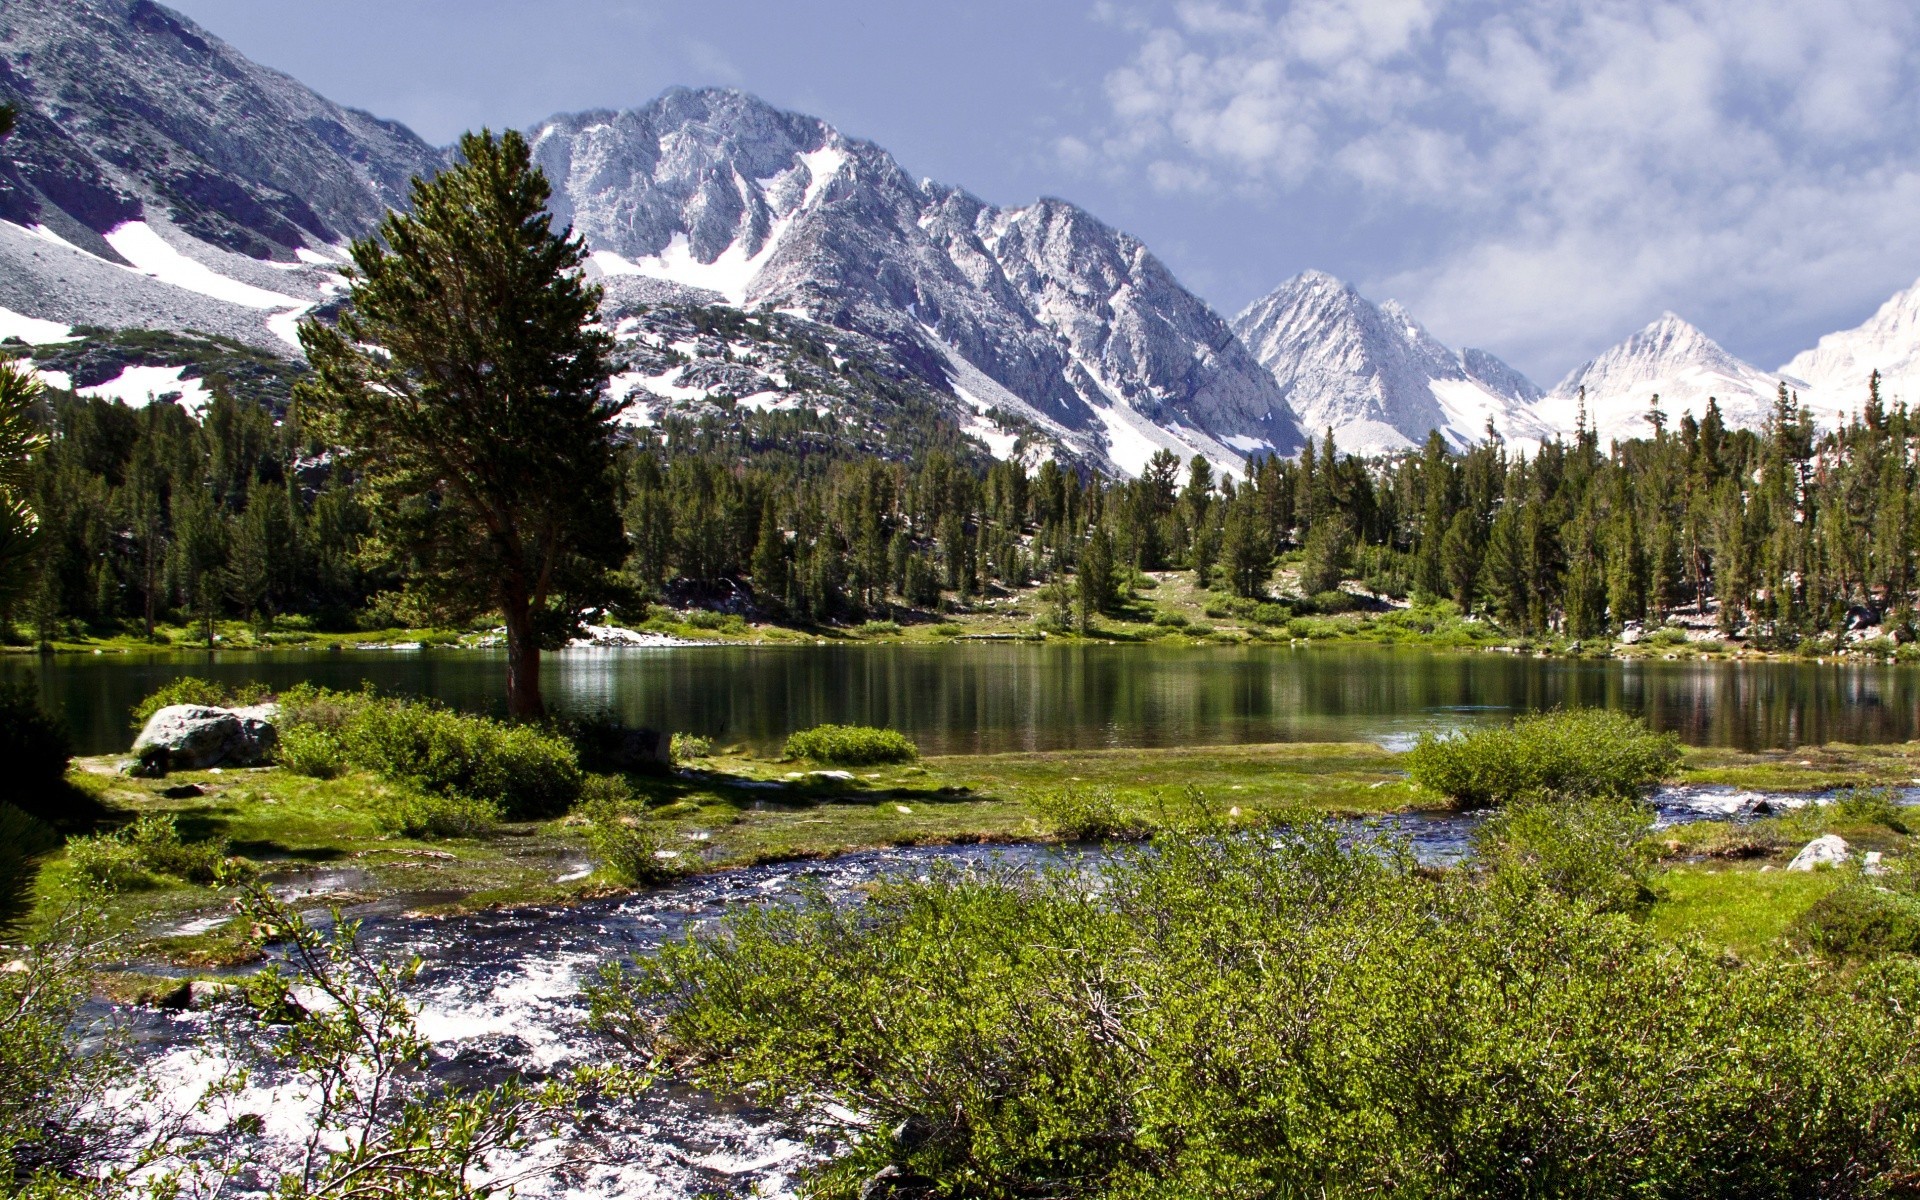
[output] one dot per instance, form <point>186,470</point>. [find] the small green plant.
<point>310,750</point>
<point>851,745</point>
<point>1271,614</point>
<point>1871,806</point>
<point>1088,815</point>
<point>621,834</point>
<point>1591,849</point>
<point>1170,620</point>
<point>878,628</point>
<point>427,816</point>
<point>1570,754</point>
<point>1665,638</point>
<point>714,622</point>
<point>190,689</point>
<point>686,747</point>
<point>137,856</point>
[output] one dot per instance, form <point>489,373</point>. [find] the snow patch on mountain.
<point>1674,361</point>
<point>137,387</point>
<point>1373,375</point>
<point>32,330</point>
<point>1838,367</point>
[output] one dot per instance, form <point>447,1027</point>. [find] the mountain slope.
<point>1040,311</point>
<point>1374,376</point>
<point>1673,360</point>
<point>1837,368</point>
<point>160,179</point>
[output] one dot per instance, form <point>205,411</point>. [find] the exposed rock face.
<point>130,110</point>
<point>1669,359</point>
<point>1043,311</point>
<point>192,737</point>
<point>1375,377</point>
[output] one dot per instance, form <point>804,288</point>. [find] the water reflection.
<point>972,698</point>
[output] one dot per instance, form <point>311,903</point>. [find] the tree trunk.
<point>523,663</point>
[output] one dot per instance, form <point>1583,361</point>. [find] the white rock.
<point>194,737</point>
<point>1828,851</point>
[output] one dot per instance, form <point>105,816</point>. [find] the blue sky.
<point>1535,177</point>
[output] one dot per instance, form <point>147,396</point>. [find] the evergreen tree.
<point>467,372</point>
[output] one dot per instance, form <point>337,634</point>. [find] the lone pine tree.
<point>467,386</point>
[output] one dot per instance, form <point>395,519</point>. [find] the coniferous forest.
<point>1777,535</point>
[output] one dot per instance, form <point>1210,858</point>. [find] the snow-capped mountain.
<point>1674,361</point>
<point>1042,312</point>
<point>1374,376</point>
<point>159,179</point>
<point>1839,366</point>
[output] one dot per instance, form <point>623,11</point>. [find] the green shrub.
<point>310,750</point>
<point>23,841</point>
<point>878,628</point>
<point>1170,620</point>
<point>1865,917</point>
<point>1090,815</point>
<point>1591,849</point>
<point>714,622</point>
<point>1281,1016</point>
<point>851,745</point>
<point>36,748</point>
<point>621,834</point>
<point>1664,638</point>
<point>190,689</point>
<point>1332,602</point>
<point>1272,614</point>
<point>427,816</point>
<point>1871,806</point>
<point>132,858</point>
<point>1576,753</point>
<point>521,772</point>
<point>686,747</point>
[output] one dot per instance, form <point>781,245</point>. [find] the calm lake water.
<point>980,697</point>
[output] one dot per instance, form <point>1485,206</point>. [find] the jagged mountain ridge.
<point>1673,360</point>
<point>1041,311</point>
<point>1375,377</point>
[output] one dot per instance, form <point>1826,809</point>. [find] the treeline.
<point>151,517</point>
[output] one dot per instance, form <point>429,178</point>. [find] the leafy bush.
<point>1275,1016</point>
<point>521,772</point>
<point>621,835</point>
<point>23,840</point>
<point>1664,638</point>
<point>1865,917</point>
<point>424,815</point>
<point>1332,602</point>
<point>190,689</point>
<point>131,858</point>
<point>1092,815</point>
<point>1272,614</point>
<point>878,628</point>
<point>714,622</point>
<point>1170,620</point>
<point>36,748</point>
<point>686,747</point>
<point>1576,753</point>
<point>1871,806</point>
<point>1591,849</point>
<point>851,745</point>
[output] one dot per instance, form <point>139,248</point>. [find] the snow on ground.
<point>58,380</point>
<point>139,244</point>
<point>286,325</point>
<point>767,402</point>
<point>32,330</point>
<point>1128,445</point>
<point>136,387</point>
<point>1248,445</point>
<point>980,427</point>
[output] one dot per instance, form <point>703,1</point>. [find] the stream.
<point>500,994</point>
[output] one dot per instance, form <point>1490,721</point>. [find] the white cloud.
<point>1583,164</point>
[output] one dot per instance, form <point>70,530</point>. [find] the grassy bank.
<point>322,841</point>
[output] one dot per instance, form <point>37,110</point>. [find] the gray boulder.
<point>193,737</point>
<point>1828,851</point>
